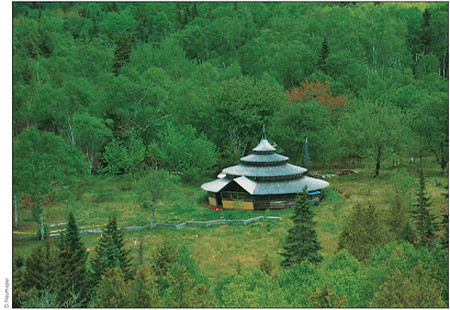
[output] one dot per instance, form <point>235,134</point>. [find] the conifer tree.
<point>407,233</point>
<point>164,256</point>
<point>121,53</point>
<point>112,290</point>
<point>73,276</point>
<point>144,290</point>
<point>422,216</point>
<point>444,225</point>
<point>323,55</point>
<point>425,36</point>
<point>27,74</point>
<point>266,265</point>
<point>17,285</point>
<point>111,252</point>
<point>301,243</point>
<point>363,231</point>
<point>41,267</point>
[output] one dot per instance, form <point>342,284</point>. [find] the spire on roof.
<point>264,130</point>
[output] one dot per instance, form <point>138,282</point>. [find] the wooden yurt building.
<point>263,180</point>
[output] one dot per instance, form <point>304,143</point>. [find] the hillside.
<point>116,104</point>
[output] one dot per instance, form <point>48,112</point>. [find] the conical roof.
<point>266,173</point>
<point>264,146</point>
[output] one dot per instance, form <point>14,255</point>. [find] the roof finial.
<point>264,130</point>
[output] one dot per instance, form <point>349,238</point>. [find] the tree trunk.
<point>92,163</point>
<point>378,164</point>
<point>42,225</point>
<point>72,134</point>
<point>16,212</point>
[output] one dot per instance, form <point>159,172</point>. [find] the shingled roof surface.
<point>267,166</point>
<point>266,171</point>
<point>259,158</point>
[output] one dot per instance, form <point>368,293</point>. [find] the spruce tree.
<point>422,216</point>
<point>301,243</point>
<point>425,36</point>
<point>73,275</point>
<point>41,266</point>
<point>144,290</point>
<point>27,74</point>
<point>121,53</point>
<point>112,291</point>
<point>323,55</point>
<point>444,225</point>
<point>111,252</point>
<point>363,231</point>
<point>163,257</point>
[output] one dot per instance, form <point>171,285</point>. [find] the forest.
<point>120,104</point>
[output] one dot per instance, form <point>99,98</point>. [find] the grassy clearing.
<point>218,248</point>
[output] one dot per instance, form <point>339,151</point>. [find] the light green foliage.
<point>324,298</point>
<point>401,291</point>
<point>292,123</point>
<point>216,71</point>
<point>299,282</point>
<point>383,127</point>
<point>343,274</point>
<point>239,107</point>
<point>41,164</point>
<point>251,290</point>
<point>266,265</point>
<point>400,198</point>
<point>424,270</point>
<point>181,149</point>
<point>155,185</point>
<point>123,157</point>
<point>90,134</point>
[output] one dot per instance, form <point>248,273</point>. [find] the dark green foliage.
<point>407,233</point>
<point>27,74</point>
<point>111,252</point>
<point>144,292</point>
<point>112,291</point>
<point>363,231</point>
<point>33,51</point>
<point>444,227</point>
<point>425,37</point>
<point>423,217</point>
<point>163,257</point>
<point>302,243</point>
<point>73,276</point>
<point>41,273</point>
<point>321,63</point>
<point>121,53</point>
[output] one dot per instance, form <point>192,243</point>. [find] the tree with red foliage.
<point>318,92</point>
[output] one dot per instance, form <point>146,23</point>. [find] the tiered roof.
<point>266,173</point>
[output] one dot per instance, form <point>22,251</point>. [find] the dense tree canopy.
<point>157,93</point>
